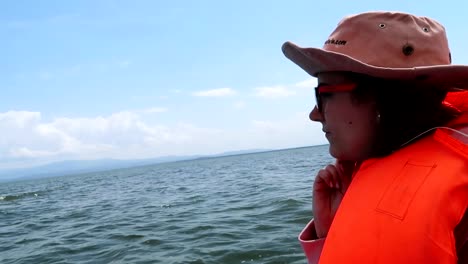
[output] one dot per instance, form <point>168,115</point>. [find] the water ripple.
<point>237,209</point>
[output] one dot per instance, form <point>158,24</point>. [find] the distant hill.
<point>69,167</point>
<point>240,152</point>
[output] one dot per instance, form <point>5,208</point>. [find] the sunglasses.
<point>327,89</point>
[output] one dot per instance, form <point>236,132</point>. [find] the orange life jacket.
<point>403,208</point>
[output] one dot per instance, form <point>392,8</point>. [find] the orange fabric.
<point>380,219</point>
<point>403,208</point>
<point>459,101</point>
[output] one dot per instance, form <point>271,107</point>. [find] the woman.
<point>396,116</point>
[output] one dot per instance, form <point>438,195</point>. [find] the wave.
<point>14,197</point>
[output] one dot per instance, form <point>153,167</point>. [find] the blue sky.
<point>141,79</point>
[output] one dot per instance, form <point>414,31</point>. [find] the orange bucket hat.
<point>388,45</point>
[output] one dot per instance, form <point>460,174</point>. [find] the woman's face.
<point>349,126</point>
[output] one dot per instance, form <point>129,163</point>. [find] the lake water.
<point>237,209</point>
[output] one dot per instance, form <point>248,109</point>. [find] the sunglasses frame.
<point>326,88</point>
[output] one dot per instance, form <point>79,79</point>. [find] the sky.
<point>143,79</point>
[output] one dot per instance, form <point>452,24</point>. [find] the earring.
<point>378,118</point>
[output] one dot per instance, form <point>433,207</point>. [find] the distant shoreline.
<point>76,167</point>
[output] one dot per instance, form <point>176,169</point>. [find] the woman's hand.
<point>329,188</point>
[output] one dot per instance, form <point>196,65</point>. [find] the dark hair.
<point>406,110</point>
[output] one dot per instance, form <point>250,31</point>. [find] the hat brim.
<point>315,61</point>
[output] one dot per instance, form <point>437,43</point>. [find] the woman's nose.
<point>315,115</point>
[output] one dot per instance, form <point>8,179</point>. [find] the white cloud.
<point>215,92</point>
<point>24,152</point>
<point>126,135</point>
<point>123,135</point>
<point>27,137</point>
<point>18,119</point>
<point>309,83</point>
<point>273,92</point>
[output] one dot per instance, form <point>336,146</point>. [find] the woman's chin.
<point>333,151</point>
<point>339,153</point>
